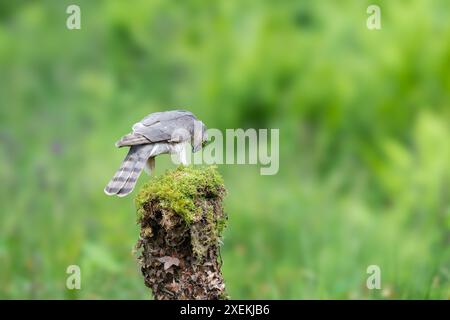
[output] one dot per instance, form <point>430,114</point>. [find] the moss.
<point>181,190</point>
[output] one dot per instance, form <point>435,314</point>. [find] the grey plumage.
<point>157,133</point>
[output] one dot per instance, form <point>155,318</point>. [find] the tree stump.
<point>181,218</point>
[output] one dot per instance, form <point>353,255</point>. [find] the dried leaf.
<point>169,261</point>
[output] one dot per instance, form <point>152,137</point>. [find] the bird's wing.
<point>173,130</point>
<point>159,126</point>
<point>155,117</point>
<point>132,139</point>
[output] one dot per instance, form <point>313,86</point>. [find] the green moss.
<point>185,199</point>
<point>180,191</point>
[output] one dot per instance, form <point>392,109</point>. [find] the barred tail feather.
<point>121,175</point>
<point>126,176</point>
<point>132,177</point>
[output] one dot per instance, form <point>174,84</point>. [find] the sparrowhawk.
<point>157,133</point>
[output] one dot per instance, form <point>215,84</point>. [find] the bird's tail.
<point>126,176</point>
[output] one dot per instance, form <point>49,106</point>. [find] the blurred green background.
<point>364,141</point>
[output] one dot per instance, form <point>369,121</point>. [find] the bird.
<point>166,132</point>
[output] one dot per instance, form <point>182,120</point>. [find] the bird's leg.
<point>183,154</point>
<point>150,165</point>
